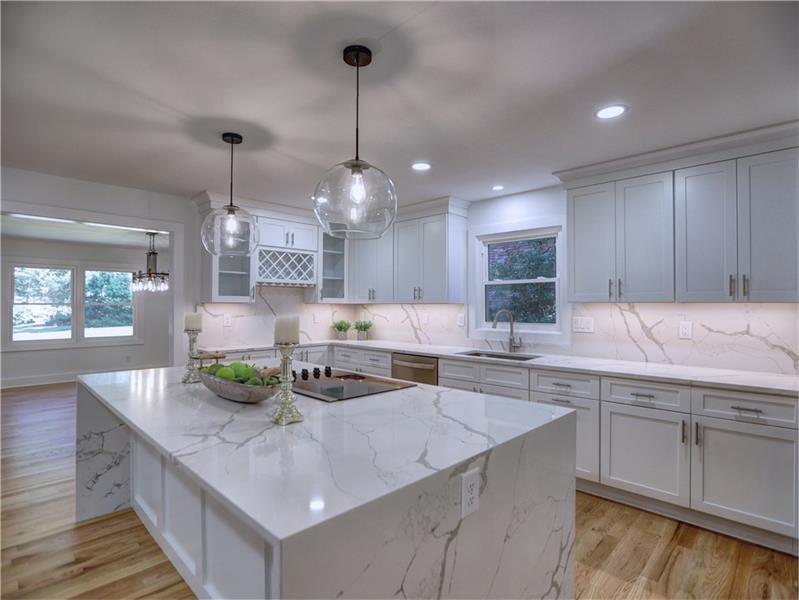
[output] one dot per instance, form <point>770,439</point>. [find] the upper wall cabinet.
<point>228,278</point>
<point>372,269</point>
<point>287,234</point>
<point>430,259</point>
<point>768,226</point>
<point>736,230</point>
<point>621,241</point>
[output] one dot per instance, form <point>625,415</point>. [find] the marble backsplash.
<point>754,337</point>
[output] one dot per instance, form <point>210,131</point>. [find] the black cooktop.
<point>332,385</point>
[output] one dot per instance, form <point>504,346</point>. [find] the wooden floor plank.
<point>621,552</point>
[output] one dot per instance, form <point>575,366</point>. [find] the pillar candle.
<point>287,330</point>
<point>193,321</point>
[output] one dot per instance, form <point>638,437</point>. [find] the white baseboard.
<point>69,377</point>
<point>769,539</point>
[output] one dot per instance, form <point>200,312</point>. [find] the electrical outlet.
<point>686,330</point>
<point>583,324</point>
<point>470,491</point>
<point>425,318</point>
<point>315,318</point>
<point>227,320</point>
<point>461,320</point>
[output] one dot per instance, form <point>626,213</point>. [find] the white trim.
<point>66,377</point>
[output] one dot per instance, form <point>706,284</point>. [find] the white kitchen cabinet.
<point>495,390</point>
<point>706,233</point>
<point>565,383</point>
<point>768,227</point>
<point>430,259</point>
<point>667,396</point>
<point>587,430</point>
<point>229,279</point>
<point>317,355</point>
<point>645,239</point>
<point>592,243</point>
<point>374,362</point>
<point>745,472</point>
<point>646,451</point>
<point>372,269</point>
<point>287,234</point>
<point>485,374</point>
<point>762,409</point>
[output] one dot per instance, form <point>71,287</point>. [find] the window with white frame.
<point>55,304</point>
<point>520,274</point>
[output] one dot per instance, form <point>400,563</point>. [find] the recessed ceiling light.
<point>498,188</point>
<point>611,112</point>
<point>39,218</point>
<point>421,165</point>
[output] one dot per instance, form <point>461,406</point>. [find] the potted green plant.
<point>363,327</point>
<point>342,327</point>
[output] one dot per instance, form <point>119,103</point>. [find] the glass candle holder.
<point>287,411</point>
<point>192,366</point>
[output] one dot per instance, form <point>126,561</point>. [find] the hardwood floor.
<point>622,552</point>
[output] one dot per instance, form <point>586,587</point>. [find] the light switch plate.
<point>583,324</point>
<point>227,320</point>
<point>686,330</point>
<point>461,320</point>
<point>315,318</point>
<point>470,491</point>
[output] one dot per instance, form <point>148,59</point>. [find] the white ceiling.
<point>136,94</point>
<point>19,227</point>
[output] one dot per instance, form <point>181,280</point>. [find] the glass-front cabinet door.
<point>233,278</point>
<point>334,269</point>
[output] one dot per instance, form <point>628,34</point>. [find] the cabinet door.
<point>646,451</point>
<point>303,237</point>
<point>592,243</point>
<point>745,472</point>
<point>318,355</point>
<point>408,259</point>
<point>233,278</point>
<point>363,261</point>
<point>501,390</point>
<point>768,227</point>
<point>383,278</point>
<point>587,430</point>
<point>457,384</point>
<point>433,280</point>
<point>273,232</point>
<point>706,233</point>
<point>645,239</point>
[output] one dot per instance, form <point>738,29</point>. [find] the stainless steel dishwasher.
<point>413,367</point>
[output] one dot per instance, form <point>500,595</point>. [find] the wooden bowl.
<point>238,392</point>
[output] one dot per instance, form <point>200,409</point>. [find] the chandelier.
<point>152,280</point>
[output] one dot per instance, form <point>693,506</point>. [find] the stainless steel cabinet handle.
<point>287,238</point>
<point>402,363</point>
<point>697,441</point>
<point>618,290</point>
<point>559,384</point>
<point>416,293</point>
<point>561,400</point>
<point>610,289</point>
<point>746,408</point>
<point>292,239</point>
<point>684,435</point>
<point>421,293</point>
<point>639,395</point>
<point>732,285</point>
<point>745,285</point>
<point>474,388</point>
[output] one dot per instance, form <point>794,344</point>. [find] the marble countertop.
<point>754,381</point>
<point>343,455</point>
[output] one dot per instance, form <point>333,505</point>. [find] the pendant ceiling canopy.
<point>355,199</point>
<point>229,229</point>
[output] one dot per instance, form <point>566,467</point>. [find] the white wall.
<point>758,337</point>
<point>30,367</point>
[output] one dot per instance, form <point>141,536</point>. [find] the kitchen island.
<point>365,498</point>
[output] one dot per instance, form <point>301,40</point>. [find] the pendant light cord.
<point>357,100</point>
<point>231,174</point>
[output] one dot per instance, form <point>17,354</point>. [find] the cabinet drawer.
<point>569,384</point>
<point>505,376</point>
<point>501,390</point>
<point>345,355</point>
<point>380,360</point>
<point>457,384</point>
<point>644,393</point>
<point>742,406</point>
<point>453,369</point>
<point>587,430</point>
<point>378,371</point>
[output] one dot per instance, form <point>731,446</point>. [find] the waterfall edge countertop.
<point>342,456</point>
<point>753,381</point>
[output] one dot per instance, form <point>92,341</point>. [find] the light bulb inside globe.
<point>231,223</point>
<point>357,189</point>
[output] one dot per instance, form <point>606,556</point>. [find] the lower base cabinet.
<point>745,472</point>
<point>646,451</point>
<point>496,390</point>
<point>587,430</point>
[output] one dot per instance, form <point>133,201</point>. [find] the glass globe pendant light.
<point>152,280</point>
<point>230,230</point>
<point>354,199</point>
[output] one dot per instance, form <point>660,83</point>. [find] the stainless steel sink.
<point>502,355</point>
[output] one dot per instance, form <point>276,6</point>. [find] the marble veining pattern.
<point>341,456</point>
